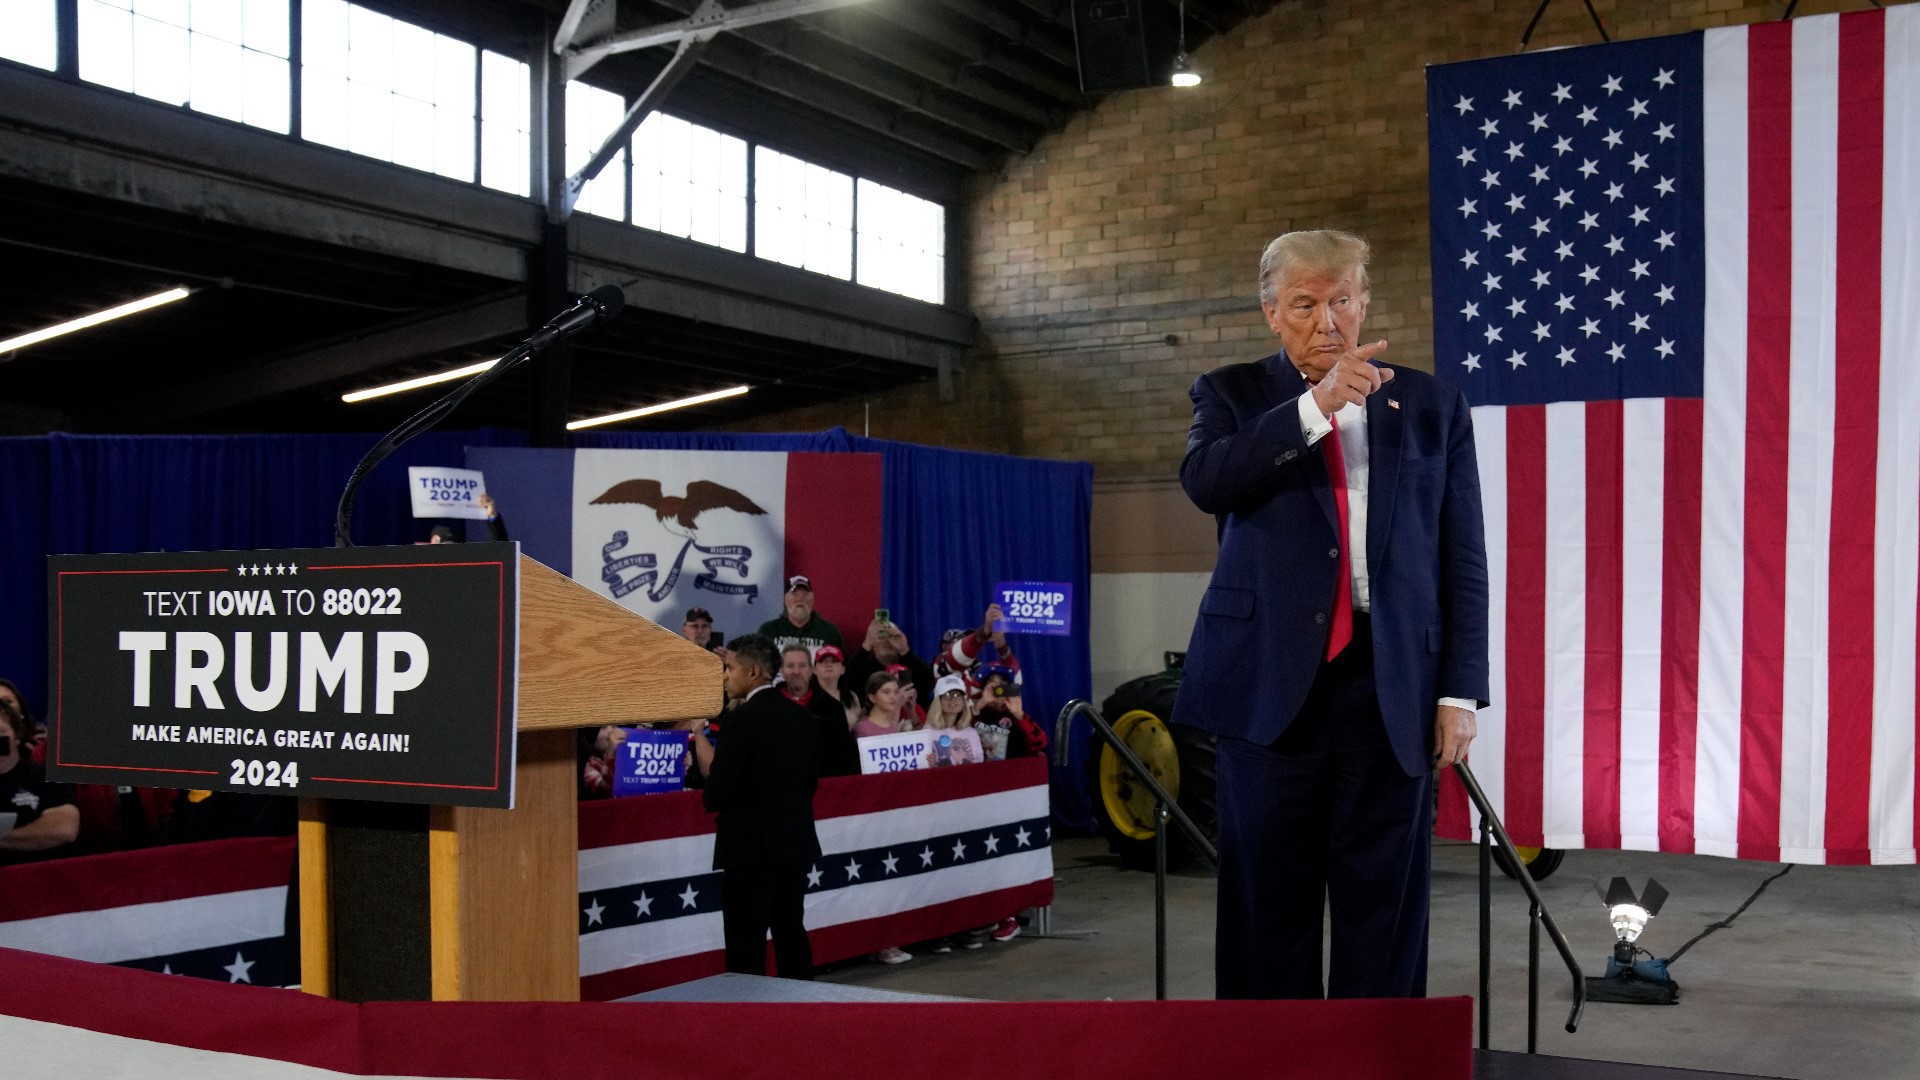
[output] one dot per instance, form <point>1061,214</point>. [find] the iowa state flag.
<point>1675,280</point>
<point>663,531</point>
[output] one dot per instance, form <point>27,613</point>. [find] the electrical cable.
<point>1728,921</point>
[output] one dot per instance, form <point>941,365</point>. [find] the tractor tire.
<point>1180,758</point>
<point>1540,862</point>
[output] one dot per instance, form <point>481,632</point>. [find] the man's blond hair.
<point>1314,252</point>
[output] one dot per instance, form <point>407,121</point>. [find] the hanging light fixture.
<point>1183,73</point>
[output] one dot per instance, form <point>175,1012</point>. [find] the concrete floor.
<point>1820,978</point>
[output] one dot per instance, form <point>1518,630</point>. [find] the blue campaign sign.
<point>650,761</point>
<point>1035,607</point>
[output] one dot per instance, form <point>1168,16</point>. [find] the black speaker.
<point>1122,44</point>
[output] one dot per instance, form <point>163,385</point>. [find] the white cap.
<point>947,683</point>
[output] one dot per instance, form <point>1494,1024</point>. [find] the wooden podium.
<point>465,904</point>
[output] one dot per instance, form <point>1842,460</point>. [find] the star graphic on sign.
<point>1512,99</point>
<point>1491,127</point>
<point>1664,79</point>
<point>926,858</point>
<point>1541,279</point>
<point>1539,121</point>
<point>1587,116</point>
<point>1517,308</point>
<point>1590,327</point>
<point>1540,226</point>
<point>1665,348</point>
<point>1566,356</point>
<point>1638,322</point>
<point>1493,333</point>
<point>959,849</point>
<point>1472,362</point>
<point>1617,352</point>
<point>1564,198</point>
<point>1023,837</point>
<point>239,971</point>
<point>1612,139</point>
<point>1589,167</point>
<point>1590,275</point>
<point>1565,303</point>
<point>1639,215</point>
<point>1491,179</point>
<point>292,570</point>
<point>1518,360</point>
<point>1663,132</point>
<point>1541,331</point>
<point>1665,293</point>
<point>1465,105</point>
<point>1639,268</point>
<point>240,570</point>
<point>1472,310</point>
<point>1468,207</point>
<point>280,569</point>
<point>1491,229</point>
<point>1470,258</point>
<point>1612,85</point>
<point>891,863</point>
<point>1515,254</point>
<point>814,874</point>
<point>1615,298</point>
<point>1514,151</point>
<point>853,869</point>
<point>1665,240</point>
<point>643,906</point>
<point>1613,192</point>
<point>1465,156</point>
<point>1561,92</point>
<point>1665,186</point>
<point>1614,245</point>
<point>1492,282</point>
<point>1539,173</point>
<point>1638,162</point>
<point>593,911</point>
<point>687,898</point>
<point>1517,203</point>
<point>1638,108</point>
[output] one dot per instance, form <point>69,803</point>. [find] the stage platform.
<point>1511,1065</point>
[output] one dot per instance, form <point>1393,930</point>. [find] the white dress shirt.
<point>1315,425</point>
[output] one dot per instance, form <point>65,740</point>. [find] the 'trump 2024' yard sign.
<point>350,673</point>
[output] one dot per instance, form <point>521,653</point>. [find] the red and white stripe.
<point>1704,611</point>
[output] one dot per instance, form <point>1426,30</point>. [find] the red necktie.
<point>1342,630</point>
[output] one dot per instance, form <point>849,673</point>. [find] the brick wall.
<point>1117,260</point>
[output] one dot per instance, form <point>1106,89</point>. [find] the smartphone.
<point>882,615</point>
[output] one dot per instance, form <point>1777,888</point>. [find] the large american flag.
<point>1677,280</point>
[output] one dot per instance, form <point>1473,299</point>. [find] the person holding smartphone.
<point>884,649</point>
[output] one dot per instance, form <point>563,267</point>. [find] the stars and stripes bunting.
<point>1670,277</point>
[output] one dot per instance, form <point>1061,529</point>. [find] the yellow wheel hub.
<point>1129,803</point>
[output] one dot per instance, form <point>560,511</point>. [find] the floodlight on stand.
<point>1632,979</point>
<point>1183,73</point>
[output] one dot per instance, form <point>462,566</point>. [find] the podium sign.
<point>382,673</point>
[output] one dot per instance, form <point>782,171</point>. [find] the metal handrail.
<point>1169,809</point>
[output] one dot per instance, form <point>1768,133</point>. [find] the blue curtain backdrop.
<point>955,523</point>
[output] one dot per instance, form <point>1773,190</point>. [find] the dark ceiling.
<point>921,94</point>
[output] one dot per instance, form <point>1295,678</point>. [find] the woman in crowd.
<point>829,680</point>
<point>885,701</point>
<point>950,709</point>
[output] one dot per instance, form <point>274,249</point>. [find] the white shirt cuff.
<point>1461,703</point>
<point>1314,424</point>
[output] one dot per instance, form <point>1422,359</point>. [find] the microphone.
<point>597,306</point>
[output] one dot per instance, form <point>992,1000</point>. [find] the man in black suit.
<point>760,782</point>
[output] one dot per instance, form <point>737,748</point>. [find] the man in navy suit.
<point>1341,647</point>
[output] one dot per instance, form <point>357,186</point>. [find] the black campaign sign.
<point>349,673</point>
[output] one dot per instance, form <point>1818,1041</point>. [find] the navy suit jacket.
<point>1263,623</point>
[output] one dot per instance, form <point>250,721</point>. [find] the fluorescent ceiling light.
<point>95,319</point>
<point>415,384</point>
<point>630,414</point>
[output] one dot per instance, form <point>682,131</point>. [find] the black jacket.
<point>839,752</point>
<point>761,787</point>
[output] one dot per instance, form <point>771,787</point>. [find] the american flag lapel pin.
<point>1392,404</point>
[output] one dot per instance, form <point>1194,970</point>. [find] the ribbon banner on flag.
<point>1659,273</point>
